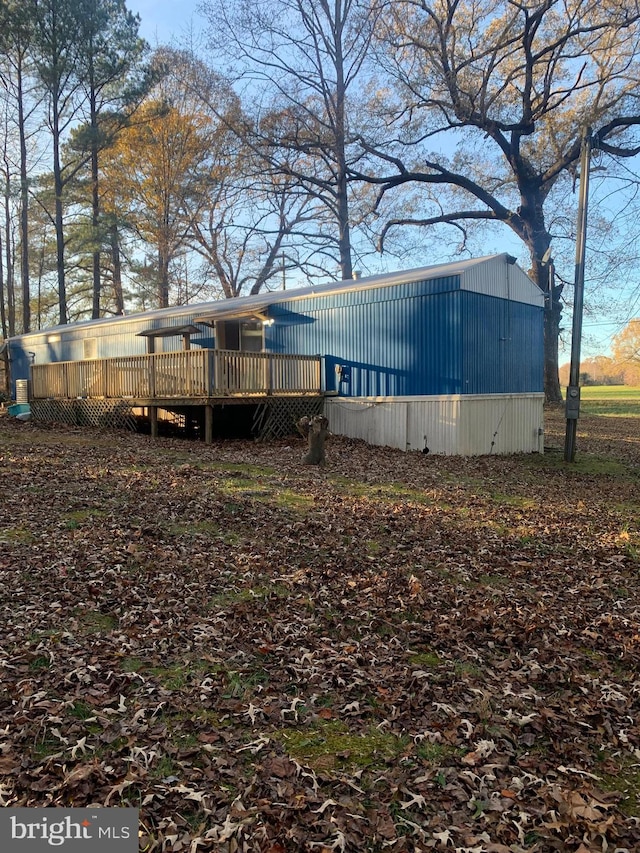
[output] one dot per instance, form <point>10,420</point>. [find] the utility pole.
<point>572,404</point>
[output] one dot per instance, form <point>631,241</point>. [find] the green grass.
<point>610,392</point>
<point>427,659</point>
<point>611,400</point>
<point>16,535</point>
<point>380,491</point>
<point>331,745</point>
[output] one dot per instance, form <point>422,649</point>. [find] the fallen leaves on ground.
<point>396,652</point>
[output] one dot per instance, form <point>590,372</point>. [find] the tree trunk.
<point>163,278</point>
<point>95,207</point>
<point>543,275</point>
<point>552,314</point>
<point>342,181</point>
<point>3,311</point>
<point>9,272</point>
<point>117,269</point>
<point>24,210</point>
<point>57,182</point>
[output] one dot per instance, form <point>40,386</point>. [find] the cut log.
<point>316,431</point>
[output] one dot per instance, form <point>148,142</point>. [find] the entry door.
<point>240,335</point>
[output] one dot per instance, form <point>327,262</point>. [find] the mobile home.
<point>446,358</point>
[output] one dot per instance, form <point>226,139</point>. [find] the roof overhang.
<point>170,331</point>
<point>251,313</point>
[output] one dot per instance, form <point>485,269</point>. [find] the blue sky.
<point>163,21</point>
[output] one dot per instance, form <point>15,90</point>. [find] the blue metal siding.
<point>117,336</point>
<point>502,346</point>
<point>348,298</point>
<point>401,347</point>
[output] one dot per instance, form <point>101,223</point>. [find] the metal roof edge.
<point>349,285</point>
<point>262,300</point>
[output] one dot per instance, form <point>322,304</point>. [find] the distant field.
<point>621,400</point>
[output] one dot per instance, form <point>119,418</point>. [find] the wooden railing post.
<point>152,376</point>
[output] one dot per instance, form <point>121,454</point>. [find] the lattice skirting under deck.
<point>113,414</point>
<point>277,417</point>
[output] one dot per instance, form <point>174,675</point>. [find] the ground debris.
<point>394,651</point>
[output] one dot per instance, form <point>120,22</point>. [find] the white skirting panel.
<point>455,425</point>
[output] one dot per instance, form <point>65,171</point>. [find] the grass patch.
<point>194,528</point>
<point>242,683</point>
<point>176,676</point>
<point>46,746</point>
<point>611,408</point>
<point>16,536</point>
<point>380,491</point>
<point>435,753</point>
<point>514,500</point>
<point>253,471</point>
<point>428,660</point>
<point>264,493</point>
<point>78,517</point>
<point>288,499</point>
<point>610,392</point>
<point>625,780</point>
<point>81,710</point>
<point>331,745</point>
<point>493,581</point>
<point>96,622</point>
<point>237,486</point>
<point>610,400</point>
<point>252,593</point>
<point>164,768</point>
<point>585,463</point>
<point>465,668</point>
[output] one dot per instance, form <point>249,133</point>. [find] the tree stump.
<point>316,431</point>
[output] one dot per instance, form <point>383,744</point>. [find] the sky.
<point>164,21</point>
<point>171,21</point>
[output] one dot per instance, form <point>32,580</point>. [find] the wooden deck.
<point>192,376</point>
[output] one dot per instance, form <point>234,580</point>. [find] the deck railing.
<point>184,374</point>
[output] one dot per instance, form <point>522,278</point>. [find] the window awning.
<point>256,313</point>
<point>170,331</point>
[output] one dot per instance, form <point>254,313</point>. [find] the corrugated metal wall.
<point>117,336</point>
<point>494,277</point>
<point>443,342</point>
<point>502,345</point>
<point>380,348</point>
<point>452,425</point>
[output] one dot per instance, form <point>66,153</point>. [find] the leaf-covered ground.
<point>396,652</point>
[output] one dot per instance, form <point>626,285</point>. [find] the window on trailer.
<point>242,336</point>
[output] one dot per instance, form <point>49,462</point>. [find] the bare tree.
<point>511,87</point>
<point>55,47</point>
<point>303,64</point>
<point>16,27</point>
<point>110,57</point>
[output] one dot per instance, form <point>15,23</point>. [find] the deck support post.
<point>208,424</point>
<point>153,420</point>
